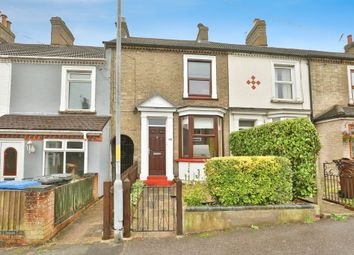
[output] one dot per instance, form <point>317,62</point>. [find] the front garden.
<point>272,164</point>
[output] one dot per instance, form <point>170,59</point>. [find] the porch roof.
<point>335,112</point>
<point>70,122</point>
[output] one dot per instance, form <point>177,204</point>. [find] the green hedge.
<point>295,139</point>
<point>249,180</point>
<point>195,194</point>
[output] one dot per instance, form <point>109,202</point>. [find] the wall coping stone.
<point>248,207</point>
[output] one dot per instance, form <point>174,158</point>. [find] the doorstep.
<point>158,181</point>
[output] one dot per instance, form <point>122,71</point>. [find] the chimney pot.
<point>6,36</point>
<point>202,33</point>
<point>258,34</point>
<point>4,19</point>
<point>9,25</point>
<point>350,39</point>
<point>349,48</point>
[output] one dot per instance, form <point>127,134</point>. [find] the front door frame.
<point>145,151</point>
<point>20,148</point>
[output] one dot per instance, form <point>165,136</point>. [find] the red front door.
<point>157,155</point>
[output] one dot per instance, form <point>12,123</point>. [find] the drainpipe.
<point>310,88</point>
<point>84,134</point>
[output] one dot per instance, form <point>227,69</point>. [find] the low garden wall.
<point>212,218</point>
<point>40,212</point>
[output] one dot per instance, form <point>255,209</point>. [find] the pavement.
<point>326,237</point>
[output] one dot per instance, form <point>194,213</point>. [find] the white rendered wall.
<point>5,88</point>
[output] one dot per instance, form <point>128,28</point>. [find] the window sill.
<point>287,101</point>
<point>199,98</point>
<point>192,160</point>
<point>77,112</point>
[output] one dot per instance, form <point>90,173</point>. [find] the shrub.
<point>249,180</point>
<point>295,139</point>
<point>136,190</point>
<point>195,194</point>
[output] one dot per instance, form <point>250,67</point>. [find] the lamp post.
<point>118,187</point>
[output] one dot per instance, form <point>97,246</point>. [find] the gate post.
<point>126,207</point>
<point>107,210</point>
<point>179,229</point>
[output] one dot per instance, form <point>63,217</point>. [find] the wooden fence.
<point>71,197</point>
<point>11,211</point>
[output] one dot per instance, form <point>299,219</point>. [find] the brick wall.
<point>329,81</point>
<point>146,72</point>
<point>333,147</point>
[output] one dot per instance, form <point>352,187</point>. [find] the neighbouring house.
<point>332,82</point>
<point>54,107</point>
<point>266,84</point>
<point>174,99</point>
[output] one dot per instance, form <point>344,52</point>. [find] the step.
<point>158,181</point>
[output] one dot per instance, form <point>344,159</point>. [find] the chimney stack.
<point>125,31</point>
<point>202,33</point>
<point>258,34</point>
<point>6,35</point>
<point>60,34</point>
<point>349,48</point>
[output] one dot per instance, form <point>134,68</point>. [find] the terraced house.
<point>54,107</point>
<point>174,99</point>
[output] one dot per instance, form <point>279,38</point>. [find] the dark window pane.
<point>75,145</point>
<point>204,147</point>
<point>199,87</point>
<point>54,162</point>
<point>199,70</point>
<point>10,162</point>
<point>79,95</point>
<point>185,137</point>
<point>54,144</point>
<point>75,163</point>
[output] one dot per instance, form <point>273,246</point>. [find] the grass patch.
<point>337,217</point>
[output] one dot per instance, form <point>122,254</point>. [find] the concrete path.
<point>86,229</point>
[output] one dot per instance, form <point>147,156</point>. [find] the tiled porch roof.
<point>336,111</point>
<point>71,122</point>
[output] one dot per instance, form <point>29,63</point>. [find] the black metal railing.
<point>155,210</point>
<point>339,183</point>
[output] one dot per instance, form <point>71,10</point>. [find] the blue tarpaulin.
<point>18,185</point>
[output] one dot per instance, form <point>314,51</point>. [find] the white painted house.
<point>266,88</point>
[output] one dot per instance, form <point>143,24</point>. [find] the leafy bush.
<point>136,190</point>
<point>195,194</point>
<point>249,180</point>
<point>295,139</point>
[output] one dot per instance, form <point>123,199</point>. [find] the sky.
<point>303,24</point>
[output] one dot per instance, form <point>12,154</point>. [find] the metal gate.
<point>156,210</point>
<point>338,185</point>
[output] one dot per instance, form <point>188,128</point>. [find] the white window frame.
<point>296,81</point>
<point>186,58</point>
<point>243,119</point>
<point>64,149</point>
<point>64,101</point>
<point>350,69</point>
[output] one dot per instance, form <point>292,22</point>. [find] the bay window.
<point>201,136</point>
<point>64,156</point>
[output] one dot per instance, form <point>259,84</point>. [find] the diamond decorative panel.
<point>253,82</point>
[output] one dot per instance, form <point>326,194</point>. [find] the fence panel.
<point>71,197</point>
<point>11,210</point>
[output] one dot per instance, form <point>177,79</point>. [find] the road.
<point>325,237</point>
